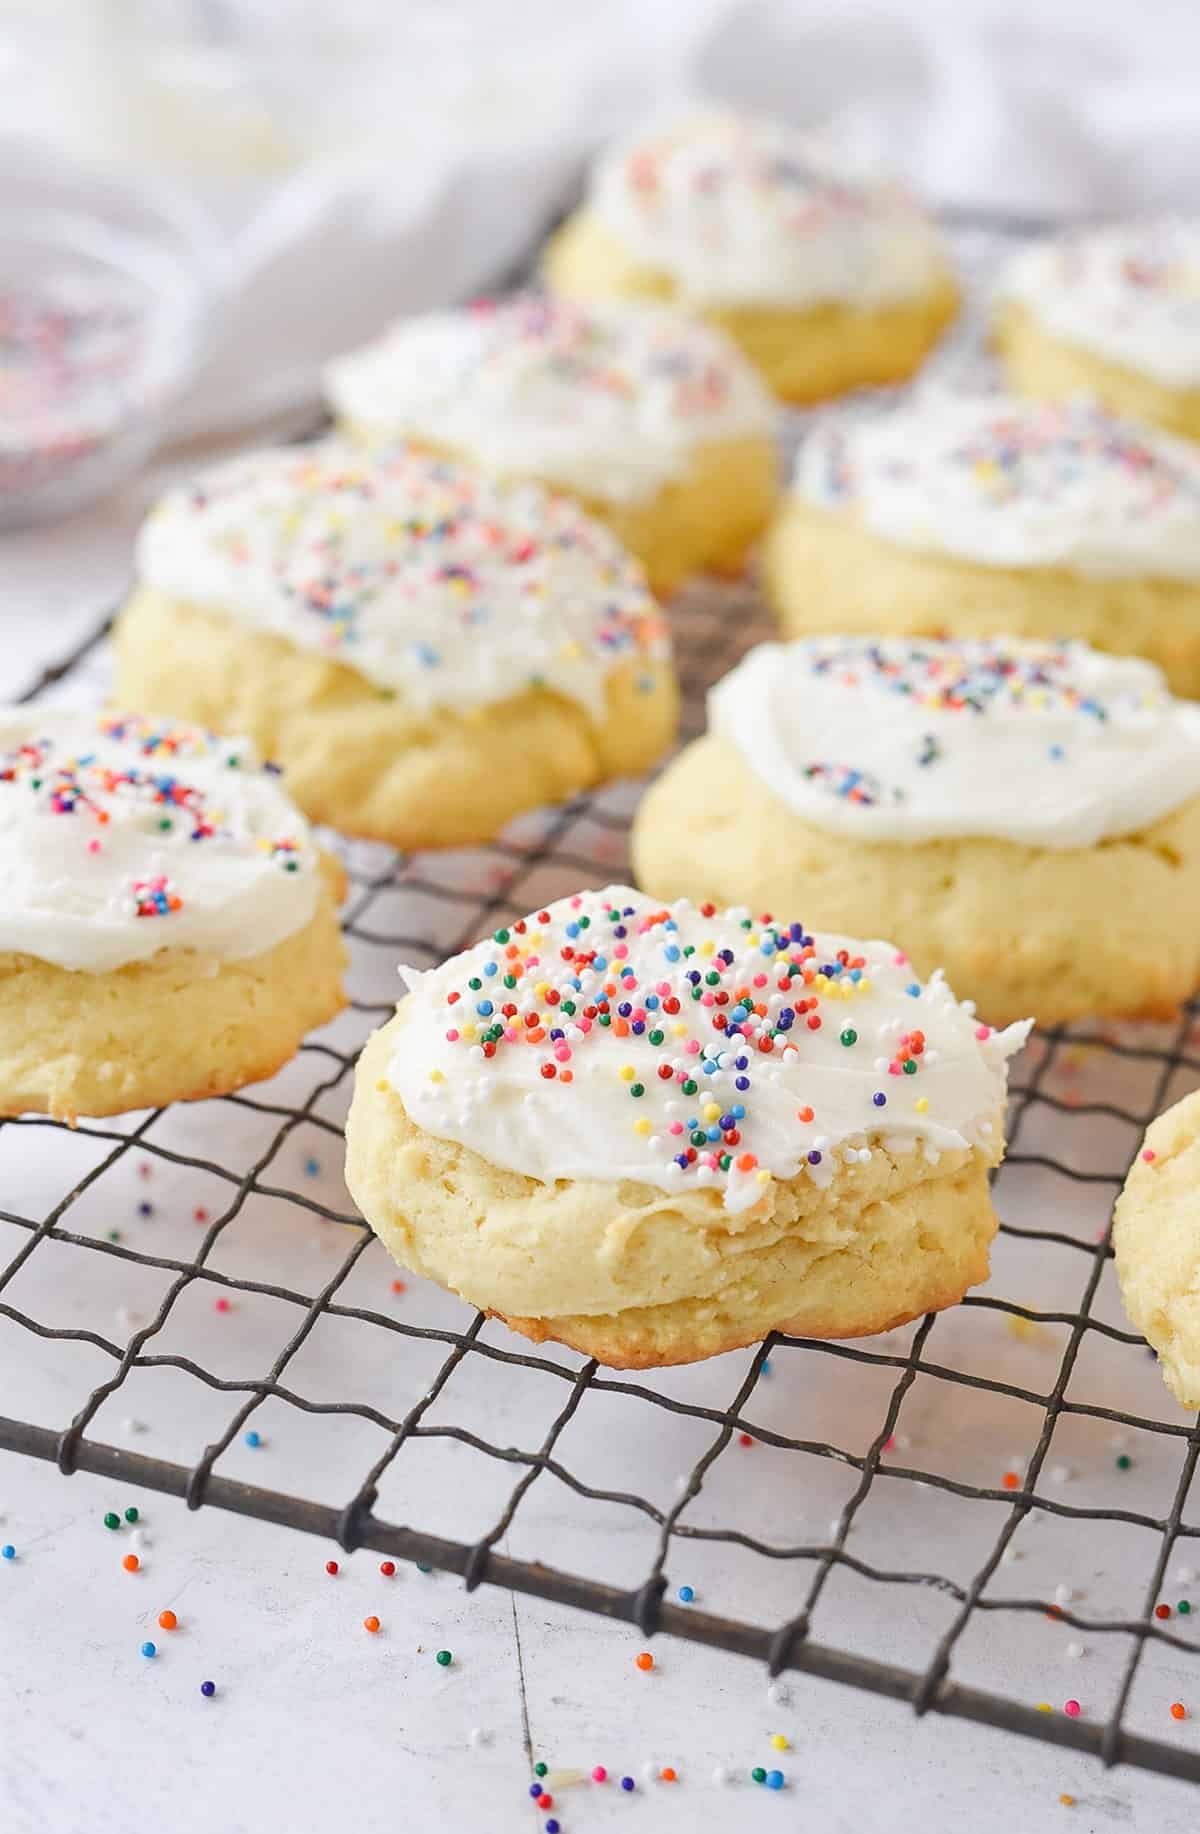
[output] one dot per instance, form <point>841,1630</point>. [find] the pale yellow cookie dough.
<point>1051,369</point>
<point>804,354</point>
<point>357,759</point>
<point>1156,1239</point>
<point>704,521</point>
<point>1059,933</point>
<point>638,1277</point>
<point>825,572</point>
<point>177,1028</point>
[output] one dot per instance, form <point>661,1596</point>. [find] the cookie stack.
<point>655,1124</point>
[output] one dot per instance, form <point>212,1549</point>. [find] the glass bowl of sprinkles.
<point>105,289</point>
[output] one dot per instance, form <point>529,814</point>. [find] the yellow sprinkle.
<point>1068,1802</point>
<point>470,1032</point>
<point>571,651</point>
<point>820,982</point>
<point>1025,1330</point>
<point>762,1178</point>
<point>864,986</point>
<point>754,939</point>
<point>922,1104</point>
<point>435,1076</point>
<point>779,1743</point>
<point>708,948</point>
<point>711,1111</point>
<point>1043,1706</point>
<point>679,1031</point>
<point>641,1127</point>
<point>381,1086</point>
<point>542,989</point>
<point>626,1073</point>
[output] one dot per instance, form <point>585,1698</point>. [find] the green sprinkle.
<point>713,978</point>
<point>1124,1462</point>
<point>699,1138</point>
<point>689,1087</point>
<point>233,762</point>
<point>291,866</point>
<point>585,923</point>
<point>165,823</point>
<point>500,936</point>
<point>114,1235</point>
<point>910,1068</point>
<point>568,1007</point>
<point>655,1037</point>
<point>539,1770</point>
<point>1183,1607</point>
<point>131,1514</point>
<point>421,1567</point>
<point>510,980</point>
<point>604,1018</point>
<point>112,1519</point>
<point>849,1036</point>
<point>474,983</point>
<point>636,1089</point>
<point>443,1658</point>
<point>725,1161</point>
<point>758,1774</point>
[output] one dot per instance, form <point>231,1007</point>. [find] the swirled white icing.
<point>739,209</point>
<point>432,581</point>
<point>1008,482</point>
<point>122,835</point>
<point>608,1037</point>
<point>610,399</point>
<point>912,739</point>
<point>1129,292</point>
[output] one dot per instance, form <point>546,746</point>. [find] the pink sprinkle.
<point>599,1774</point>
<point>562,1053</point>
<point>222,1305</point>
<point>93,846</point>
<point>760,980</point>
<point>511,1034</point>
<point>1149,1156</point>
<point>889,1444</point>
<point>900,960</point>
<point>1072,1709</point>
<point>576,902</point>
<point>663,988</point>
<point>983,1031</point>
<point>676,1127</point>
<point>893,1068</point>
<point>708,999</point>
<point>584,1024</point>
<point>451,1037</point>
<point>693,1045</point>
<point>620,952</point>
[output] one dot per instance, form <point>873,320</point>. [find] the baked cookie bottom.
<point>704,521</point>
<point>640,1277</point>
<point>805,354</point>
<point>825,572</point>
<point>1040,364</point>
<point>1111,930</point>
<point>357,759</point>
<point>1156,1241</point>
<point>177,1028</point>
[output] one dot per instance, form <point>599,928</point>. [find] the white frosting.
<point>435,583</point>
<point>611,400</point>
<point>1129,292</point>
<point>1006,482</point>
<point>745,211</point>
<point>797,1085</point>
<point>911,739</point>
<point>121,835</point>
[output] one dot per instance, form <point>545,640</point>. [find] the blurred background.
<point>312,169</point>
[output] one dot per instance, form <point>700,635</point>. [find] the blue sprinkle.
<point>739,1063</point>
<point>8,1551</point>
<point>879,1099</point>
<point>913,988</point>
<point>490,968</point>
<point>1056,751</point>
<point>686,1595</point>
<point>148,1649</point>
<point>651,1002</point>
<point>536,1789</point>
<point>253,1438</point>
<point>600,964</point>
<point>774,1779</point>
<point>741,1082</point>
<point>311,1167</point>
<point>208,1689</point>
<point>738,1112</point>
<point>814,1158</point>
<point>766,1366</point>
<point>572,929</point>
<point>627,1783</point>
<point>484,1008</point>
<point>713,1133</point>
<point>672,954</point>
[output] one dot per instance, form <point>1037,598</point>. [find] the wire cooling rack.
<point>254,1306</point>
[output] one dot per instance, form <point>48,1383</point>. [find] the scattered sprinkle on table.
<point>8,1551</point>
<point>331,1566</point>
<point>444,1658</point>
<point>371,1624</point>
<point>644,1661</point>
<point>131,1563</point>
<point>686,1595</point>
<point>167,1620</point>
<point>148,1649</point>
<point>253,1439</point>
<point>1178,1710</point>
<point>208,1689</point>
<point>112,1519</point>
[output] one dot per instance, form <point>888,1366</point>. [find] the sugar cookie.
<point>657,1133</point>
<point>656,422</point>
<point>828,278</point>
<point>168,929</point>
<point>987,515</point>
<point>1156,1240</point>
<point>429,653</point>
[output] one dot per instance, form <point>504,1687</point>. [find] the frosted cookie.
<point>1024,815</point>
<point>657,423</point>
<point>1156,1240</point>
<point>1112,312</point>
<point>827,278</point>
<point>981,515</point>
<point>168,929</point>
<point>429,653</point>
<point>656,1133</point>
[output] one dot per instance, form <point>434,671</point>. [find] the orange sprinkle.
<point>397,1286</point>
<point>131,1563</point>
<point>1011,1480</point>
<point>371,1624</point>
<point>167,1620</point>
<point>1068,1802</point>
<point>645,1661</point>
<point>746,1162</point>
<point>668,1775</point>
<point>1178,1710</point>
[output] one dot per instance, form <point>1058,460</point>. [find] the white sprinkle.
<point>1075,1652</point>
<point>650,1770</point>
<point>1060,1474</point>
<point>130,1425</point>
<point>1119,1441</point>
<point>1063,1595</point>
<point>1185,1575</point>
<point>721,1776</point>
<point>137,1540</point>
<point>1010,1556</point>
<point>835,1527</point>
<point>903,1442</point>
<point>778,1694</point>
<point>479,1735</point>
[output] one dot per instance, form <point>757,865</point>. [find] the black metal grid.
<point>712,629</point>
